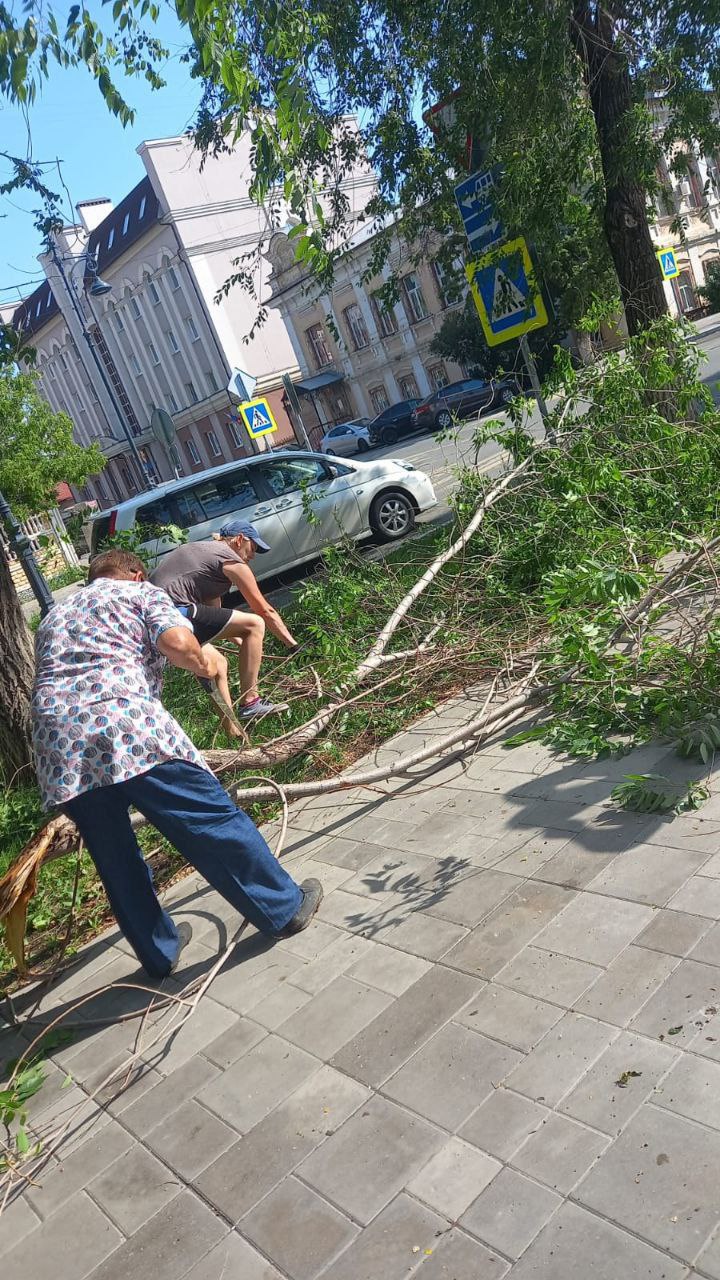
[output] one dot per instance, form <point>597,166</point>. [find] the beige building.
<point>691,202</point>
<point>356,356</point>
<point>160,338</point>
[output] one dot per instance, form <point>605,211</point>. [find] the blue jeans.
<point>189,807</point>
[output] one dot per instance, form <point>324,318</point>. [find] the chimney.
<point>92,212</point>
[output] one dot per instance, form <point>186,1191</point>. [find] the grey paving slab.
<point>392,1246</point>
<point>700,896</point>
<point>708,948</point>
<point>675,932</point>
<point>208,1022</point>
<point>601,1101</point>
<point>659,1180</point>
<point>17,1221</point>
<point>471,897</point>
<point>335,960</point>
<point>577,1243</point>
<point>516,1019</point>
<point>233,1259</point>
<point>352,854</point>
<point>257,1082</point>
<point>549,975</point>
<point>134,1188</point>
<point>626,985</point>
<point>75,1238</point>
<point>451,1075</point>
<point>507,929</point>
<point>556,1064</point>
<point>275,1009</point>
<point>58,1181</point>
<point>510,1212</point>
<point>422,935</point>
<point>244,985</point>
<point>711,867</point>
<point>233,1043</point>
<point>184,1229</point>
<point>692,1089</point>
<point>168,1094</point>
<point>503,1123</point>
<point>311,943</point>
<point>595,928</point>
<point>190,1139</point>
<point>680,1002</point>
<point>454,1177</point>
<point>648,873</point>
<point>298,1229</point>
<point>388,969</point>
<point>560,1153</point>
<point>337,1013</point>
<point>709,1260</point>
<point>390,1039</point>
<point>458,1257</point>
<point>685,832</point>
<point>371,1157</point>
<point>574,866</point>
<point>526,853</point>
<point>253,1166</point>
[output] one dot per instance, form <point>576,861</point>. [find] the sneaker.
<point>312,897</point>
<point>260,708</point>
<point>184,935</point>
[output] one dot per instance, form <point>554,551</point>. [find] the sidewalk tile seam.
<point>297,1174</point>
<point>630,1231</point>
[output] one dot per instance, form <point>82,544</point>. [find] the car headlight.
<point>406,466</point>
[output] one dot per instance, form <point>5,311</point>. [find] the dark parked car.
<point>462,400</point>
<point>393,422</point>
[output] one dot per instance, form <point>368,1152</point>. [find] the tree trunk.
<point>607,76</point>
<point>16,673</point>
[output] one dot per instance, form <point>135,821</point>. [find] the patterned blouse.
<point>97,717</point>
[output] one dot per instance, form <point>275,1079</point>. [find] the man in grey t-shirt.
<point>196,576</point>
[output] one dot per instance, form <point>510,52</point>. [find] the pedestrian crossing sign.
<point>506,294</point>
<point>258,418</point>
<point>668,263</point>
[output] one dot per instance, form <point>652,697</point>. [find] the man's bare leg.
<point>247,631</point>
<point>221,681</point>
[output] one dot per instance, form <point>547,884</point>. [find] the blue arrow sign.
<point>474,200</point>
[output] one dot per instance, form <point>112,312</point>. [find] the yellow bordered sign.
<point>668,263</point>
<point>258,418</point>
<point>505,293</point>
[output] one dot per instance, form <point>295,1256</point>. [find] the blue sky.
<point>71,122</point>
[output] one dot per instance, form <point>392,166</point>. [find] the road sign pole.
<point>531,367</point>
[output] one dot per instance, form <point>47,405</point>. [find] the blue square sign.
<point>474,200</point>
<point>507,298</point>
<point>258,418</point>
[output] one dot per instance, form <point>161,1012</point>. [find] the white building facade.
<point>160,339</point>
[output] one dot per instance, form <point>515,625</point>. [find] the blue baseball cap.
<point>234,528</point>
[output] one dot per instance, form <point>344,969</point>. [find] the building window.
<point>192,329</point>
<point>172,402</point>
<point>686,293</point>
<point>63,361</point>
<point>441,283</point>
<point>415,304</point>
<point>438,376</point>
<point>192,453</point>
<point>378,395</point>
<point>234,435</point>
<point>135,365</point>
<point>111,238</point>
<point>359,336</point>
<point>126,224</point>
<point>172,341</point>
<point>51,371</point>
<point>154,295</point>
<point>173,278</point>
<point>128,480</point>
<point>190,392</point>
<point>100,491</point>
<point>135,308</point>
<point>118,321</point>
<point>152,352</point>
<point>318,345</point>
<point>408,387</point>
<point>211,382</point>
<point>384,316</point>
<point>213,446</point>
<point>38,308</point>
<point>141,211</point>
<point>149,464</point>
<point>49,298</point>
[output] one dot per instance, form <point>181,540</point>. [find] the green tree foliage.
<point>710,291</point>
<point>37,450</point>
<point>460,338</point>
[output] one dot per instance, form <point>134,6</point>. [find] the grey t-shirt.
<point>193,573</point>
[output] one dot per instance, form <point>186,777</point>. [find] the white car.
<point>347,438</point>
<point>299,502</point>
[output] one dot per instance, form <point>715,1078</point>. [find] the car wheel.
<point>444,419</point>
<point>392,515</point>
<point>363,446</point>
<point>330,453</point>
<point>506,396</point>
<point>389,436</point>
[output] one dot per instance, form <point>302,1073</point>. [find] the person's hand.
<point>294,647</point>
<point>210,666</point>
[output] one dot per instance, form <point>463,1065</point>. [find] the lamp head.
<point>99,287</point>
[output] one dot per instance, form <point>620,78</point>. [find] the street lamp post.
<point>97,289</point>
<point>21,544</point>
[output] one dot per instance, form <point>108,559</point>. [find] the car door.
<point>315,501</point>
<point>474,396</point>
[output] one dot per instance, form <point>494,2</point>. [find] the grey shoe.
<point>312,897</point>
<point>260,708</point>
<point>184,935</point>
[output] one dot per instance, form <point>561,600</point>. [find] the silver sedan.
<point>347,438</point>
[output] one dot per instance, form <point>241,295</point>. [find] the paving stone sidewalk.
<point>496,1053</point>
